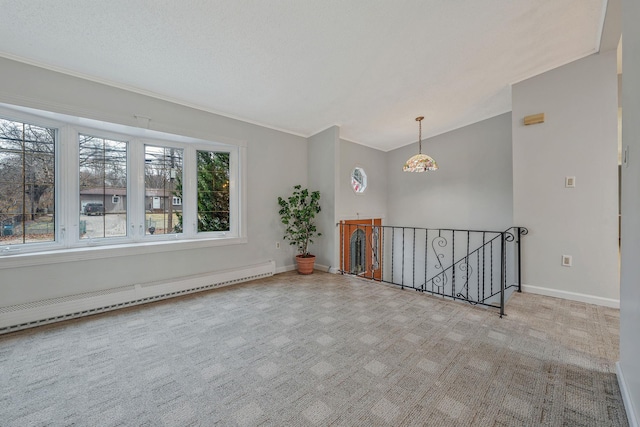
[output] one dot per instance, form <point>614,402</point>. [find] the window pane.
<point>27,183</point>
<point>103,187</point>
<point>163,190</point>
<point>213,191</point>
<point>358,180</point>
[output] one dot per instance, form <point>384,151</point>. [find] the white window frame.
<point>141,190</point>
<point>74,167</point>
<point>364,183</point>
<point>60,230</point>
<point>233,182</point>
<point>69,247</point>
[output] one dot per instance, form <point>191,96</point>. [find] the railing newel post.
<point>502,275</point>
<point>484,262</point>
<point>341,224</point>
<point>426,257</point>
<point>466,260</point>
<point>393,247</point>
<point>413,259</point>
<point>453,264</point>
<point>402,271</point>
<point>381,254</point>
<point>519,262</point>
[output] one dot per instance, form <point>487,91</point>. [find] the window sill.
<point>111,251</point>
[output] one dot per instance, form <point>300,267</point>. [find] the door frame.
<point>347,228</point>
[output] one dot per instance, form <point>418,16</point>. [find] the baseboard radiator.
<point>22,316</point>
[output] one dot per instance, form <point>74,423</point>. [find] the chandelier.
<point>420,162</point>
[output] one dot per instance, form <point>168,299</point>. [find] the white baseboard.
<point>319,267</point>
<point>285,268</point>
<point>573,296</point>
<point>22,316</point>
<point>629,407</point>
<point>325,268</point>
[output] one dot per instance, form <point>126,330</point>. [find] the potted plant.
<point>297,213</point>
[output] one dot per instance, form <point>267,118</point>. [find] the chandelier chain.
<point>419,120</point>
<point>420,137</point>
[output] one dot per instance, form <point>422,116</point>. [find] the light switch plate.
<point>625,157</point>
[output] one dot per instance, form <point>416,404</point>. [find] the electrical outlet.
<point>570,181</point>
<point>277,245</point>
<point>567,260</point>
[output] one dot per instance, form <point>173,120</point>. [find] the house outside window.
<point>163,179</point>
<point>103,173</point>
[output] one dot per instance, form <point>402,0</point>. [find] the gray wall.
<point>323,158</point>
<point>269,153</point>
<point>471,190</point>
<point>578,138</point>
<point>629,366</point>
<point>373,202</point>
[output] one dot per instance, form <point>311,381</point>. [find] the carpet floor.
<point>319,350</point>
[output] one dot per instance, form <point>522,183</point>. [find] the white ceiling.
<point>369,66</point>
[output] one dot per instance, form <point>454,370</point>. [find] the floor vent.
<point>22,316</point>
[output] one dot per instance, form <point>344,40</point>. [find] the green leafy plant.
<point>297,213</point>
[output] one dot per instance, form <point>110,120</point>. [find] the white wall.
<point>372,203</point>
<point>275,161</point>
<point>323,160</point>
<point>578,138</point>
<point>471,190</point>
<point>629,366</point>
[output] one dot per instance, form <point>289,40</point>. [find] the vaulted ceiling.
<point>369,66</point>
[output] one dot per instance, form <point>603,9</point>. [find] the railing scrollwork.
<point>475,266</point>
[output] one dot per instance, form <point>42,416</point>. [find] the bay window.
<point>68,182</point>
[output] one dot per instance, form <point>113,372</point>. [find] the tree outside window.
<point>213,191</point>
<point>27,183</point>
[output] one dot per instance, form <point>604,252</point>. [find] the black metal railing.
<point>475,266</point>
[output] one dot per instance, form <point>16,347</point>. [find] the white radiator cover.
<point>22,316</point>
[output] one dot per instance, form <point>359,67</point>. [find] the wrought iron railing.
<point>475,266</point>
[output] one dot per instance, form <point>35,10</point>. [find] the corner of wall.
<point>629,406</point>
<point>322,158</point>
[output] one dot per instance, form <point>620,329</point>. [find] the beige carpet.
<point>317,350</point>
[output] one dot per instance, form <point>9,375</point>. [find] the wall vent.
<point>23,316</point>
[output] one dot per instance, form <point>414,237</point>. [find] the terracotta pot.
<point>305,264</point>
